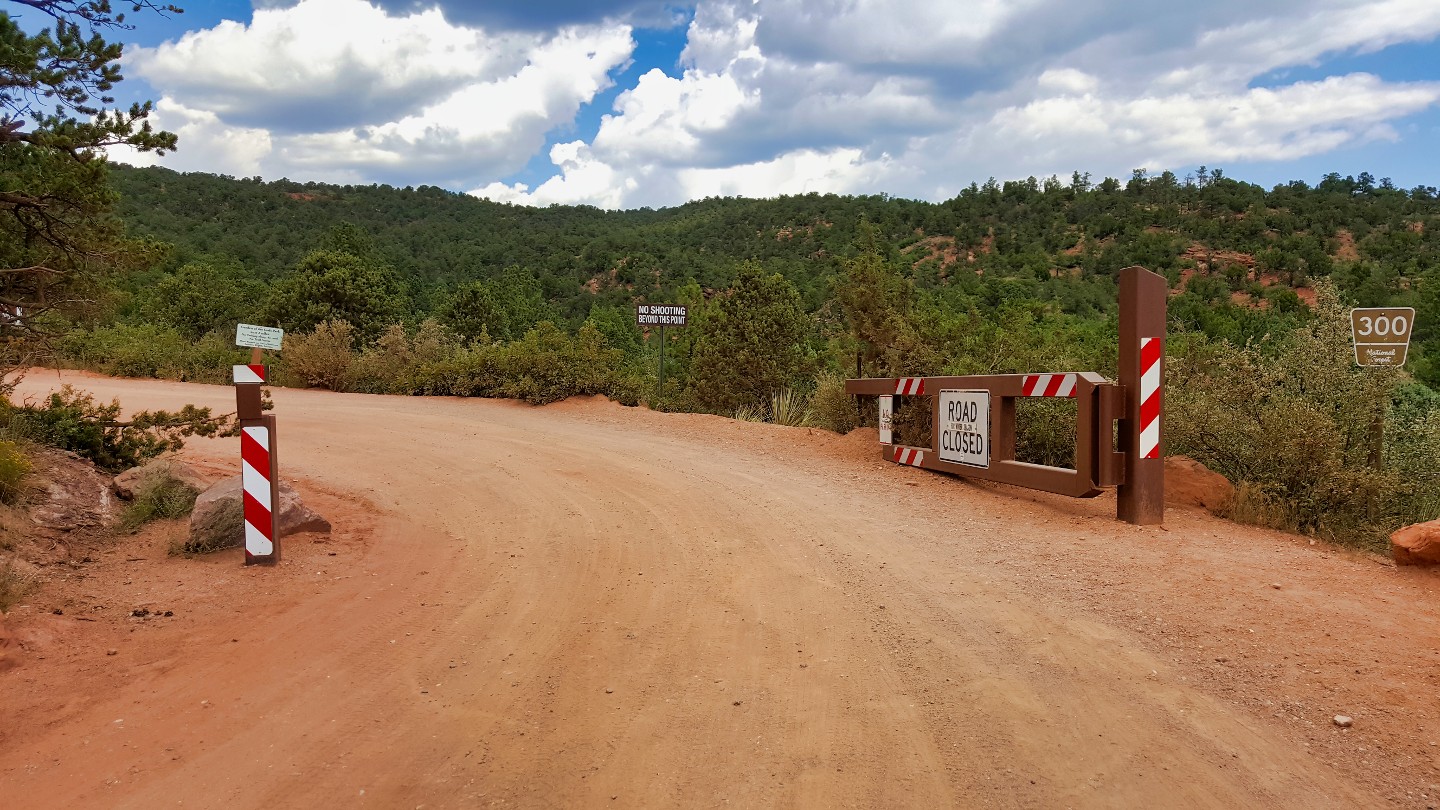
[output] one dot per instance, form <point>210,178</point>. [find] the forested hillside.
<point>423,291</point>
<point>1234,249</point>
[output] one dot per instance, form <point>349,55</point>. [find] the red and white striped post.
<point>1141,496</point>
<point>259,467</point>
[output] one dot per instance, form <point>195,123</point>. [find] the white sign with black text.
<point>965,427</point>
<point>660,315</point>
<point>887,416</point>
<point>259,337</point>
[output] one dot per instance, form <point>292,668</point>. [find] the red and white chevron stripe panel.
<point>255,479</point>
<point>1049,385</point>
<point>910,456</point>
<point>249,374</point>
<point>910,386</point>
<point>1152,353</point>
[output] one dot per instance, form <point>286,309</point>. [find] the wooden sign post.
<point>259,463</point>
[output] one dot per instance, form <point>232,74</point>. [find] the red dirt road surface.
<point>585,605</point>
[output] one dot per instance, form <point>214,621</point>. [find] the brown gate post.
<point>1141,497</point>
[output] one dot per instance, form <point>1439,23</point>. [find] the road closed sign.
<point>965,427</point>
<point>1381,334</point>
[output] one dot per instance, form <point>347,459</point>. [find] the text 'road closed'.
<point>965,427</point>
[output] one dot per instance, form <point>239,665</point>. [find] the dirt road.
<point>586,605</point>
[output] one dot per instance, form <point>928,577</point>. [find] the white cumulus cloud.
<point>908,97</point>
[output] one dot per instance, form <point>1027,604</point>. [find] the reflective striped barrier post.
<point>259,467</point>
<point>1141,495</point>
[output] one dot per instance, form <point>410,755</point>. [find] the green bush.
<point>128,350</point>
<point>324,358</point>
<point>159,497</point>
<point>475,371</point>
<point>831,408</point>
<point>1297,424</point>
<point>790,407</point>
<point>14,467</point>
<point>147,350</point>
<point>392,365</point>
<point>72,420</point>
<point>1045,431</point>
<point>547,365</point>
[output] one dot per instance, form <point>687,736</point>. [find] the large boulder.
<point>1417,545</point>
<point>1190,483</point>
<point>218,520</point>
<point>127,483</point>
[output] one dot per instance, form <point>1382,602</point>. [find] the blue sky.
<point>627,103</point>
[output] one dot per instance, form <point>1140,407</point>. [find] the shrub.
<point>14,467</point>
<point>72,420</point>
<point>548,365</point>
<point>161,496</point>
<point>324,358</point>
<point>13,586</point>
<point>472,372</point>
<point>831,407</point>
<point>391,366</point>
<point>146,350</point>
<point>1045,431</point>
<point>128,350</point>
<point>1298,423</point>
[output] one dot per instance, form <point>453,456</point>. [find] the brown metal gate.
<point>1118,424</point>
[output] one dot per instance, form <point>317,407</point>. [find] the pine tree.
<point>56,233</point>
<point>752,343</point>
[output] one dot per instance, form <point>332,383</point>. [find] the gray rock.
<point>127,483</point>
<point>218,520</point>
<point>1343,722</point>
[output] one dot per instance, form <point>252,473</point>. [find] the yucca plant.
<point>790,408</point>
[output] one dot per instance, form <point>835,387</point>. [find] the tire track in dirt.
<point>563,605</point>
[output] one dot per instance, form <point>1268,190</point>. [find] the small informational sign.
<point>965,427</point>
<point>1381,334</point>
<point>660,315</point>
<point>887,419</point>
<point>258,337</point>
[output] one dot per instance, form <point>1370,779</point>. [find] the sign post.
<point>661,315</point>
<point>259,463</point>
<point>1381,335</point>
<point>1141,498</point>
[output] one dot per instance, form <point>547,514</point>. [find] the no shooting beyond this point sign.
<point>1381,334</point>
<point>660,315</point>
<point>259,337</point>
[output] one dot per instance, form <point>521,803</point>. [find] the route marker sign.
<point>258,337</point>
<point>1381,335</point>
<point>964,426</point>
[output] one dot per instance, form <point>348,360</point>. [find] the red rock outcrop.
<point>1417,545</point>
